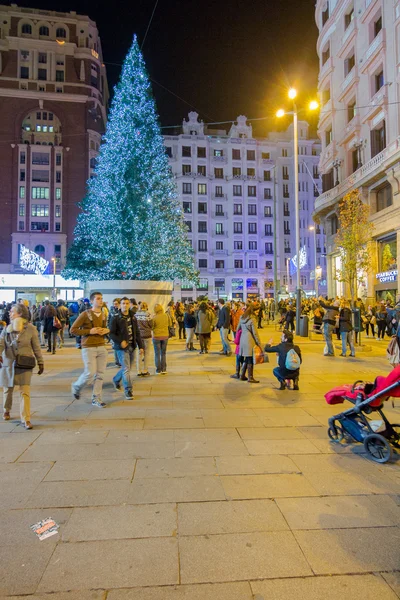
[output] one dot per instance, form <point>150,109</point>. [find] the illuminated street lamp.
<point>314,229</point>
<point>54,261</point>
<point>312,106</point>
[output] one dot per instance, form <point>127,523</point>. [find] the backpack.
<point>292,362</point>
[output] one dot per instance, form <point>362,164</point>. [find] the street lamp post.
<point>314,229</point>
<point>54,260</point>
<point>313,105</point>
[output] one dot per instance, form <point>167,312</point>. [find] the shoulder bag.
<point>21,361</point>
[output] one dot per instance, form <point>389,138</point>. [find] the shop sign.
<point>237,285</point>
<point>252,284</point>
<point>386,276</point>
<point>30,261</point>
<point>302,260</point>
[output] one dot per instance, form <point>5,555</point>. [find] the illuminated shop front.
<point>386,279</point>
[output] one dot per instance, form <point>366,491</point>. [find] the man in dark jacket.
<point>223,324</point>
<point>346,328</point>
<point>283,374</point>
<point>124,332</point>
<point>329,323</point>
<point>51,331</point>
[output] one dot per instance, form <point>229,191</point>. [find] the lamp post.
<point>314,229</point>
<point>336,165</point>
<point>294,113</point>
<point>54,260</point>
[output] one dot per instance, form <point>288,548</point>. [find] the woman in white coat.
<point>248,340</point>
<point>19,338</point>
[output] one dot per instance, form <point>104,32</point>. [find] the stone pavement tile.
<point>230,418</point>
<point>90,470</point>
<point>356,587</point>
<point>173,419</point>
<point>204,591</point>
<point>13,447</point>
<point>340,484</point>
<point>351,550</point>
<point>240,556</point>
<point>176,489</point>
<point>112,564</point>
<point>120,522</point>
<point>285,417</point>
<point>232,402</point>
<point>142,436</point>
<point>113,425</point>
<point>393,579</point>
<point>72,437</point>
<point>267,486</point>
<point>197,404</point>
<point>341,512</point>
<point>314,433</point>
<point>387,506</point>
<point>331,463</point>
<point>270,433</point>
<point>302,446</point>
<point>15,526</point>
<point>241,516</point>
<point>174,467</point>
<point>211,448</point>
<point>81,595</point>
<point>41,424</point>
<point>126,451</point>
<point>79,493</point>
<point>175,389</point>
<point>117,412</point>
<point>207,435</point>
<point>152,402</point>
<point>23,565</point>
<point>10,426</point>
<point>18,481</point>
<point>252,465</point>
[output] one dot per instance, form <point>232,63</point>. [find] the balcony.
<point>286,213</point>
<point>223,234</point>
<point>219,253</point>
<point>348,79</point>
<point>221,215</point>
<point>219,196</point>
<point>325,69</point>
<point>348,32</point>
<point>219,159</point>
<point>286,232</point>
<point>374,48</point>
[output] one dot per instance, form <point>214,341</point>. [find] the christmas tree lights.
<point>131,225</point>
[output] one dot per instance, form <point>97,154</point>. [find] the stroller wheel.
<point>336,434</point>
<point>395,439</point>
<point>378,448</point>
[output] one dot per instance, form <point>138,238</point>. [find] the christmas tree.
<point>131,225</point>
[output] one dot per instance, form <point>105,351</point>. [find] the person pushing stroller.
<point>289,360</point>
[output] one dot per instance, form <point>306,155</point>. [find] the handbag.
<point>259,357</point>
<point>24,362</point>
<point>57,323</point>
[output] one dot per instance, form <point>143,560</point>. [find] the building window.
<point>253,264</point>
<point>237,227</point>
<point>236,172</point>
<point>39,226</point>
<point>219,230</point>
<point>61,33</point>
<point>252,191</point>
<point>328,136</point>
<point>44,31</point>
<point>218,173</point>
<point>284,152</point>
<point>219,153</point>
<point>201,152</point>
<point>252,227</point>
<point>267,194</point>
<point>325,14</point>
<point>57,212</point>
<point>21,225</point>
<point>219,245</point>
<point>92,164</point>
<point>58,226</point>
<point>189,226</point>
<point>237,190</point>
<point>168,151</point>
<point>266,155</point>
<point>39,193</point>
<point>38,175</point>
<point>26,29</point>
<point>253,245</point>
<point>187,207</point>
<point>22,175</point>
<point>383,197</point>
<point>268,264</point>
<point>269,248</point>
<point>24,72</point>
<point>326,55</point>
<point>285,190</point>
<point>60,60</point>
<point>237,209</point>
<point>267,175</point>
<point>348,18</point>
<point>202,170</point>
<point>203,263</point>
<point>21,210</point>
<point>252,209</point>
<point>186,188</point>
<point>377,26</point>
<point>235,154</point>
<point>22,192</point>
<point>186,169</point>
<point>218,191</point>
<point>251,155</point>
<point>220,264</point>
<point>42,58</point>
<point>238,245</point>
<point>58,193</point>
<point>59,75</point>
<point>238,263</point>
<point>202,189</point>
<point>379,81</point>
<point>39,210</point>
<point>202,245</point>
<point>267,211</point>
<point>349,63</point>
<point>285,172</point>
<point>202,208</point>
<point>378,139</point>
<point>326,95</point>
<point>202,226</point>
<point>22,158</point>
<point>219,211</point>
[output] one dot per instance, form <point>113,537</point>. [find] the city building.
<point>238,200</point>
<point>53,97</point>
<point>359,52</point>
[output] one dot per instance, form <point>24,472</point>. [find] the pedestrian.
<point>50,330</point>
<point>62,314</point>
<point>180,315</point>
<point>260,314</point>
<point>72,316</point>
<point>114,310</point>
<point>160,326</point>
<point>290,317</point>
<point>189,321</point>
<point>381,316</point>
<point>145,323</point>
<point>239,359</point>
<point>223,324</point>
<point>124,332</point>
<point>248,340</point>
<point>91,325</point>
<point>346,328</point>
<point>369,321</point>
<point>35,314</point>
<point>204,318</point>
<point>18,341</point>
<point>170,312</point>
<point>287,359</point>
<point>329,322</point>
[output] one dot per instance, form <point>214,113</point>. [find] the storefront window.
<point>388,254</point>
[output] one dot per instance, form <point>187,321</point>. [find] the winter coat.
<point>345,320</point>
<point>282,350</point>
<point>249,337</point>
<point>161,322</point>
<point>235,318</point>
<point>224,317</point>
<point>25,343</point>
<point>119,331</point>
<point>331,312</point>
<point>204,321</point>
<point>62,313</point>
<point>145,323</point>
<point>189,320</point>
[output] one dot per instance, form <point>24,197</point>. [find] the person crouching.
<point>284,371</point>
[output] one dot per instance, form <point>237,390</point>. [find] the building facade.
<point>238,200</point>
<point>359,51</point>
<point>53,97</point>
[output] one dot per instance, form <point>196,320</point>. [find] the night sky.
<point>221,58</point>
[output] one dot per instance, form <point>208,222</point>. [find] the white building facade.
<point>238,200</point>
<point>359,78</point>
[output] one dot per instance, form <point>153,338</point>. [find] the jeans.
<point>224,339</point>
<point>328,330</point>
<point>347,338</point>
<point>160,355</point>
<point>142,362</point>
<point>61,340</point>
<point>52,339</point>
<point>189,335</point>
<point>181,326</point>
<point>95,363</point>
<point>283,374</point>
<point>126,358</point>
<point>25,401</point>
<point>381,329</point>
<point>367,326</point>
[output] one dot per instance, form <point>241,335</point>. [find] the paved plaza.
<point>202,488</point>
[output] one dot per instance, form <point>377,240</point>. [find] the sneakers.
<point>158,372</point>
<point>97,402</point>
<point>117,386</point>
<point>163,372</point>
<point>128,395</point>
<point>28,425</point>
<point>147,374</point>
<point>222,352</point>
<point>74,392</point>
<point>6,415</point>
<point>140,374</point>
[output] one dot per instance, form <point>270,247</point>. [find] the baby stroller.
<point>378,437</point>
